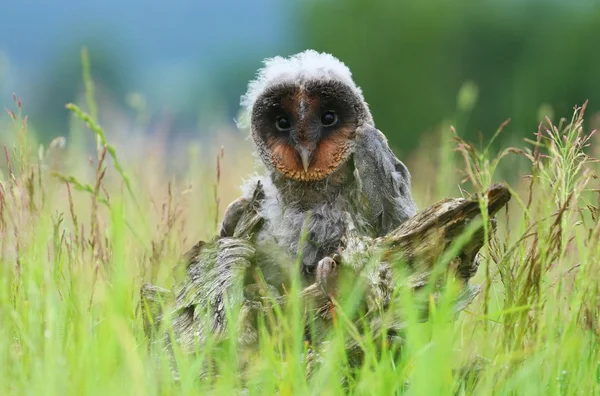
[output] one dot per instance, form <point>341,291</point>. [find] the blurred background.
<point>176,70</point>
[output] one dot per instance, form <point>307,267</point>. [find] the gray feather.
<point>385,181</point>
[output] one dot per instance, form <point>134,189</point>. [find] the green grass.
<point>78,239</point>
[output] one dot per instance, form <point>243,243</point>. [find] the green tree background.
<point>526,58</point>
<point>521,59</point>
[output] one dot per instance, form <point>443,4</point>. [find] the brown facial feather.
<point>283,156</point>
<point>302,105</point>
<point>331,152</point>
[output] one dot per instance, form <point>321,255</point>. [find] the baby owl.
<point>328,171</point>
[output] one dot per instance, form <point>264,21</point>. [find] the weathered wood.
<point>418,244</point>
<point>406,257</point>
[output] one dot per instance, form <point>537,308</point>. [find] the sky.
<point>155,37</point>
<point>153,29</point>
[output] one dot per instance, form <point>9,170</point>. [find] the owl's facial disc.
<point>307,128</point>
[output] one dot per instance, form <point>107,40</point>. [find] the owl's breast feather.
<point>292,231</point>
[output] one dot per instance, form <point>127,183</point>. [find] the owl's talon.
<point>337,258</point>
<point>326,274</point>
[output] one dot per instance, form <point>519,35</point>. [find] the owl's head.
<point>304,111</point>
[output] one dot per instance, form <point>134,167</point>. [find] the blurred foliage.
<point>61,82</point>
<point>525,58</point>
<point>422,65</point>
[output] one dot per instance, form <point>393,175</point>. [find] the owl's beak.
<point>305,156</point>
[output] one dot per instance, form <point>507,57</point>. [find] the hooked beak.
<point>305,156</point>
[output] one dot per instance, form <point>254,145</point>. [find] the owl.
<point>328,177</point>
<point>328,172</point>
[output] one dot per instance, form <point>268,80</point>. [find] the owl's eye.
<point>328,118</point>
<point>282,123</point>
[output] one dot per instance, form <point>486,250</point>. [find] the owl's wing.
<point>215,273</point>
<point>214,280</point>
<point>385,181</point>
<point>241,217</point>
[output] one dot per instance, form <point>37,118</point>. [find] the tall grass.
<point>79,235</point>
